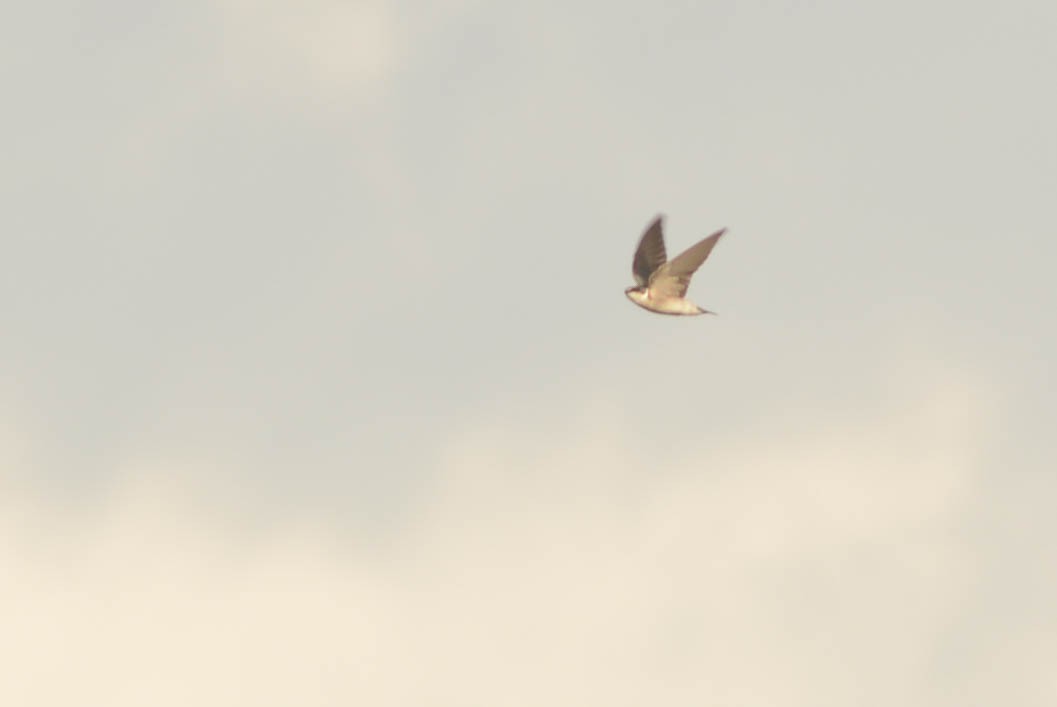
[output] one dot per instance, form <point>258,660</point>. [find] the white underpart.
<point>666,305</point>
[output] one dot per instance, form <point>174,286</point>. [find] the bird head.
<point>635,294</point>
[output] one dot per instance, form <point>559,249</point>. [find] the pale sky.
<point>319,385</point>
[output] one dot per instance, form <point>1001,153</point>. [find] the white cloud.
<point>815,566</point>
<point>326,44</point>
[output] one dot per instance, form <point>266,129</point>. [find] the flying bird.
<point>662,283</point>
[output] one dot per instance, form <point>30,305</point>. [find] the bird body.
<point>662,283</point>
<point>663,305</point>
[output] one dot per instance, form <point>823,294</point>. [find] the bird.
<point>661,283</point>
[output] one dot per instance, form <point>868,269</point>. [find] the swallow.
<point>661,283</point>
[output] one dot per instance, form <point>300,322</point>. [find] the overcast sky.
<point>319,385</point>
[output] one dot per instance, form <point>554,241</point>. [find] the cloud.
<point>819,564</point>
<point>325,44</point>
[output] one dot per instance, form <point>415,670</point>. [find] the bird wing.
<point>672,279</point>
<point>650,254</point>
